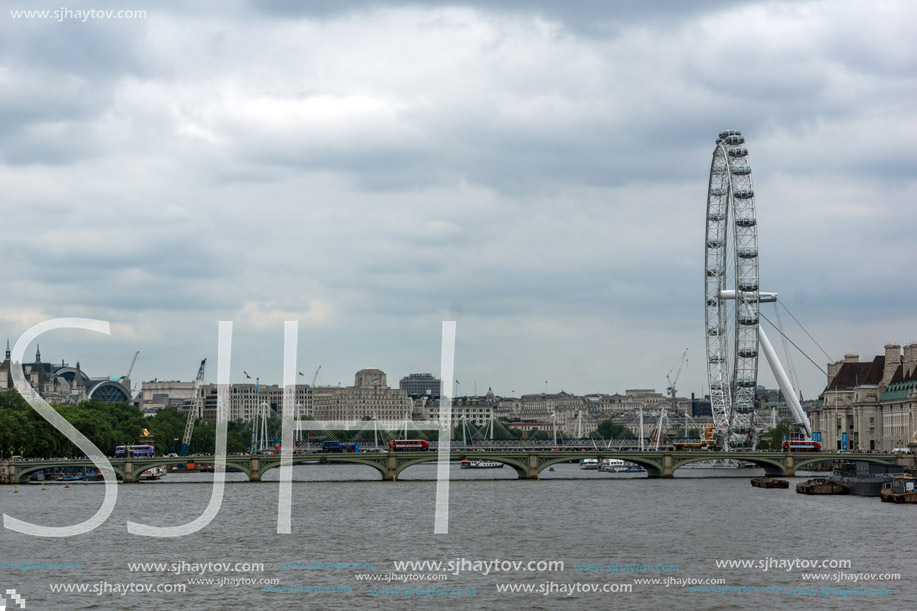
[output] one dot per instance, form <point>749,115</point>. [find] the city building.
<point>871,405</point>
<point>156,395</point>
<point>539,406</point>
<point>369,397</point>
<point>574,415</point>
<point>529,427</point>
<point>63,383</point>
<point>246,401</point>
<point>421,385</point>
<point>476,410</point>
<point>701,408</point>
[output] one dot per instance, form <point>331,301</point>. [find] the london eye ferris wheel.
<point>731,288</point>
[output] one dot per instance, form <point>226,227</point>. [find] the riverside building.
<point>63,383</point>
<point>871,405</point>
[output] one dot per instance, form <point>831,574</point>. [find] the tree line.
<point>25,433</point>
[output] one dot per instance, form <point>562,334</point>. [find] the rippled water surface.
<point>343,514</point>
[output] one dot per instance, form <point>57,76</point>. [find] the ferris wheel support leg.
<point>784,382</point>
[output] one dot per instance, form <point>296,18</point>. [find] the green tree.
<point>106,425</point>
<point>168,428</point>
<point>773,439</point>
<point>609,430</point>
<point>514,432</point>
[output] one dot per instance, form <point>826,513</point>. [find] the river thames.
<point>575,539</point>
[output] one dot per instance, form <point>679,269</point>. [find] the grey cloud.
<point>548,185</point>
<point>591,17</point>
<point>97,49</point>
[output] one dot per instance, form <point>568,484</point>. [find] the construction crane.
<point>315,377</point>
<point>672,381</point>
<point>671,391</point>
<point>131,368</point>
<point>192,415</point>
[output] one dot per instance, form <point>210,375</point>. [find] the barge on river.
<point>769,482</point>
<point>902,489</point>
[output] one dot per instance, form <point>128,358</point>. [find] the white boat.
<point>153,474</point>
<point>481,464</point>
<point>589,463</point>
<point>612,465</point>
<point>712,464</point>
<point>616,465</point>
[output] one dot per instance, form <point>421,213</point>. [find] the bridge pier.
<point>7,472</point>
<point>391,465</point>
<point>128,470</point>
<point>533,466</point>
<point>667,470</point>
<point>255,465</point>
<point>789,470</point>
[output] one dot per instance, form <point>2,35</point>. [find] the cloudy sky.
<point>536,171</point>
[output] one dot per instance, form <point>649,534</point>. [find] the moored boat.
<point>863,478</point>
<point>769,482</point>
<point>820,485</point>
<point>902,489</point>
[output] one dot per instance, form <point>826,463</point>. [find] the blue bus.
<point>340,447</point>
<point>145,450</point>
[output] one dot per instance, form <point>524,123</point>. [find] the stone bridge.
<point>528,463</point>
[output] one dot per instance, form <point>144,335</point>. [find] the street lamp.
<point>297,418</point>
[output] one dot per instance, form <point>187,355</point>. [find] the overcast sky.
<point>536,171</point>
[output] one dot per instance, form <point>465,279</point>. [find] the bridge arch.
<point>519,466</point>
<point>771,466</point>
<point>878,459</point>
<point>139,465</point>
<point>379,465</point>
<point>653,468</point>
<point>22,471</point>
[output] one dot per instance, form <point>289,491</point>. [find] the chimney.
<point>850,357</point>
<point>910,359</point>
<point>892,360</point>
<point>833,368</point>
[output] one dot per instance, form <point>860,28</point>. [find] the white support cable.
<point>784,382</point>
<point>828,356</point>
<point>786,351</point>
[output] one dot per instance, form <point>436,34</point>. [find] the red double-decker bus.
<point>801,445</point>
<point>408,445</point>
